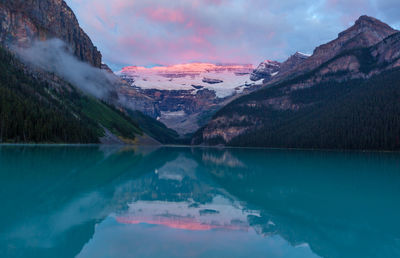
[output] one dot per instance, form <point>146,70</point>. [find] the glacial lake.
<point>96,201</point>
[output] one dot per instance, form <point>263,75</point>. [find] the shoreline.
<point>193,147</point>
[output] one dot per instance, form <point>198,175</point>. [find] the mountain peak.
<point>366,32</point>
<point>366,18</point>
<point>366,24</point>
<point>301,55</point>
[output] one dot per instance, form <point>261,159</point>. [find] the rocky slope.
<point>24,21</point>
<point>300,109</point>
<point>292,62</point>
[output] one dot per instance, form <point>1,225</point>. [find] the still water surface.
<point>69,201</point>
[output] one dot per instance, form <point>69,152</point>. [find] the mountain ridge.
<point>262,112</point>
<point>366,32</point>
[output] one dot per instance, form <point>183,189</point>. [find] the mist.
<point>56,57</point>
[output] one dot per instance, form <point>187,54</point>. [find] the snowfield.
<point>192,77</point>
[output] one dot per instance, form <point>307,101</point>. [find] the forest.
<point>356,114</point>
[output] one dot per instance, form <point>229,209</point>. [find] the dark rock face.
<point>197,87</point>
<point>387,52</point>
<point>24,21</point>
<point>212,81</point>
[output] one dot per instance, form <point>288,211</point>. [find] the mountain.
<point>184,96</point>
<point>366,32</point>
<point>55,88</point>
<point>343,96</point>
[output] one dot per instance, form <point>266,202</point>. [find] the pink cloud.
<point>160,14</point>
<point>142,32</point>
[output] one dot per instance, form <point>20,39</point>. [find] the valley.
<point>342,92</point>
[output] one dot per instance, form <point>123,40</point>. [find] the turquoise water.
<point>182,202</point>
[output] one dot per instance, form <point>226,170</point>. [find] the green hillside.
<point>33,111</point>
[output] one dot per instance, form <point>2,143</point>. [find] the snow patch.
<point>173,114</point>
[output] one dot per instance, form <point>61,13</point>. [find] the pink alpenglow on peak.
<point>224,79</point>
<point>191,68</point>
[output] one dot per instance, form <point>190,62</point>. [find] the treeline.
<point>358,114</point>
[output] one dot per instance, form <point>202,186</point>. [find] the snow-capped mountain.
<point>224,80</point>
<point>183,96</point>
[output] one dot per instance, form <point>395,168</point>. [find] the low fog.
<point>55,56</point>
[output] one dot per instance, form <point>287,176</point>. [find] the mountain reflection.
<point>68,201</point>
<point>180,195</point>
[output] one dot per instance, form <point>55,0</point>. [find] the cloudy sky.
<point>150,32</point>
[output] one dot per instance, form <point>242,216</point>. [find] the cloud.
<point>145,32</point>
<point>389,11</point>
<point>54,56</point>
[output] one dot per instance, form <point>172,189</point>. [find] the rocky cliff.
<point>24,21</point>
